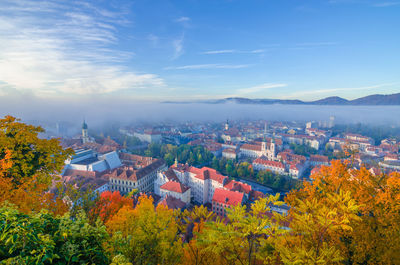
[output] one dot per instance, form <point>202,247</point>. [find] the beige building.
<point>126,178</point>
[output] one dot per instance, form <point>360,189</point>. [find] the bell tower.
<point>264,147</point>
<point>272,148</point>
<point>85,134</point>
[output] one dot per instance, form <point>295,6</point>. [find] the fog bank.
<point>96,111</point>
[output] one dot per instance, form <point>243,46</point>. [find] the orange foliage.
<point>196,254</point>
<point>375,238</point>
<point>149,234</point>
<point>109,204</point>
<point>31,196</point>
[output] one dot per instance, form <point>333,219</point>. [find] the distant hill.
<point>331,101</point>
<point>393,99</point>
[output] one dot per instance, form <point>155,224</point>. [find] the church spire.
<point>84,125</point>
<point>85,134</point>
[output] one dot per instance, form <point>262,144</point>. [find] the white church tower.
<point>85,134</point>
<point>272,149</point>
<point>264,147</point>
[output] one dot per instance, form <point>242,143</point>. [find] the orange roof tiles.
<point>208,173</point>
<point>172,203</point>
<point>234,185</point>
<point>227,197</point>
<point>251,147</point>
<point>269,163</point>
<point>174,186</point>
<point>319,158</point>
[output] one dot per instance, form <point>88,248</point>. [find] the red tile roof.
<point>136,160</point>
<point>174,186</point>
<point>392,156</point>
<point>319,158</point>
<point>269,163</point>
<point>181,167</point>
<point>207,173</point>
<point>290,157</point>
<point>234,185</point>
<point>228,197</point>
<point>251,147</point>
<point>229,151</point>
<point>172,203</point>
<point>316,170</point>
<point>294,167</point>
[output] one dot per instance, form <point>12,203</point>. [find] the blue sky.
<point>197,49</point>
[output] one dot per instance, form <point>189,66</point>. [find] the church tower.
<point>272,149</point>
<point>85,134</point>
<point>227,125</point>
<point>264,147</point>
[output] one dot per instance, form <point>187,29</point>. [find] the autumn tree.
<point>191,224</point>
<point>247,236</point>
<point>30,155</point>
<point>371,238</point>
<point>27,164</point>
<point>108,204</point>
<point>32,195</point>
<point>146,234</point>
<point>316,227</point>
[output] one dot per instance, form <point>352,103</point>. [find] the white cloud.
<point>48,50</point>
<point>219,51</point>
<point>257,51</point>
<point>233,51</point>
<point>386,4</point>
<point>182,19</point>
<point>207,66</point>
<point>153,39</point>
<point>313,44</point>
<point>259,88</point>
<point>177,44</point>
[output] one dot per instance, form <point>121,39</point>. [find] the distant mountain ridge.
<point>371,100</point>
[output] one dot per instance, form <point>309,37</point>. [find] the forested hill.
<point>393,99</point>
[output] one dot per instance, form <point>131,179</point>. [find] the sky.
<point>198,49</point>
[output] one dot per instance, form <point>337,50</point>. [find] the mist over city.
<point>99,111</point>
<point>200,132</point>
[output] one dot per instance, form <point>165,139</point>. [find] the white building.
<point>296,170</point>
<point>264,164</point>
<point>202,182</point>
<point>149,136</point>
<point>176,190</point>
<point>256,150</point>
<point>88,160</point>
<point>229,153</point>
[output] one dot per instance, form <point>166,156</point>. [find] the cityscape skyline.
<point>199,49</point>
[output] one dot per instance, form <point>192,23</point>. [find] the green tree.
<point>169,159</point>
<point>44,239</point>
<point>215,163</point>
